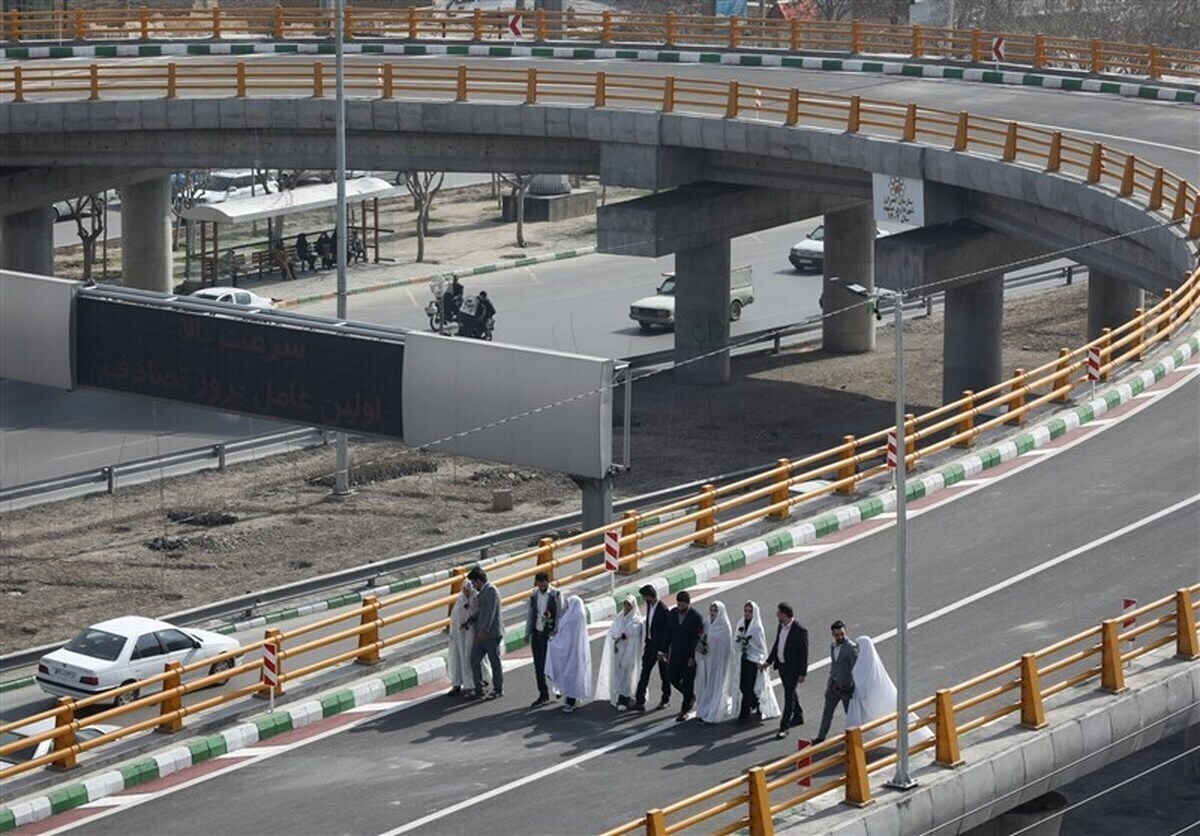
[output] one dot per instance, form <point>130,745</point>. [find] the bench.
<point>264,260</point>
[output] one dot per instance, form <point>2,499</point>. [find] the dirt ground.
<point>75,562</point>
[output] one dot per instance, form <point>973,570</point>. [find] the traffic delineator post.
<point>1093,364</point>
<point>271,669</point>
<point>804,761</point>
<point>892,457</point>
<point>612,556</point>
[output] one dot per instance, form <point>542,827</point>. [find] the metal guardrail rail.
<point>856,37</point>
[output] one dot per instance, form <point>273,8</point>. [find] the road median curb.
<point>431,668</point>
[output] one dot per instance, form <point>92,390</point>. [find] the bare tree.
<point>519,185</point>
<point>88,212</point>
<point>423,186</point>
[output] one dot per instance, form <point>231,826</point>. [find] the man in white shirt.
<point>789,656</point>
<point>541,622</point>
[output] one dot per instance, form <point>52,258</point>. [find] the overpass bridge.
<point>1171,243</point>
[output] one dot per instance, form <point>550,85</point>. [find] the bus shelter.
<point>277,207</point>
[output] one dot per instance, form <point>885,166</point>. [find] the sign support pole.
<point>341,486</point>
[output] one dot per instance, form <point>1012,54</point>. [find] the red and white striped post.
<point>1093,364</point>
<point>892,457</point>
<point>270,670</point>
<point>801,745</point>
<point>612,556</point>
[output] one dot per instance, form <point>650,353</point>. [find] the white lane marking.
<point>535,776</point>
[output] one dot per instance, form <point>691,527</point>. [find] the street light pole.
<point>901,780</point>
<point>341,486</point>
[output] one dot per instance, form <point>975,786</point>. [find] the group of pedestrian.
<point>721,669</point>
<point>325,249</point>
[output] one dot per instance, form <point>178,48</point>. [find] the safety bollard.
<point>1016,406</point>
<point>707,519</point>
<point>848,467</point>
<point>1112,676</point>
<point>65,740</point>
<point>858,787</point>
<point>779,494</point>
<point>946,732</point>
<point>1033,713</point>
<point>368,641</point>
<point>1187,646</point>
<point>759,803</point>
<point>169,708</point>
<point>545,558</point>
<point>629,549</point>
<point>1127,174</point>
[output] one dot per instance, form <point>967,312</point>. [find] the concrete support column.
<point>597,510</point>
<point>27,241</point>
<point>702,313</point>
<point>971,342</point>
<point>849,257</point>
<point>146,234</point>
<point>1111,302</point>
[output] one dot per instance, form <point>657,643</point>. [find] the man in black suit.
<point>686,628</point>
<point>541,620</point>
<point>654,650</point>
<point>789,656</point>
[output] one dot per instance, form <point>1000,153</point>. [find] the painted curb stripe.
<point>1139,89</point>
<point>432,668</point>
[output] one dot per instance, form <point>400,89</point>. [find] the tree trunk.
<point>89,256</point>
<point>519,196</point>
<point>422,223</point>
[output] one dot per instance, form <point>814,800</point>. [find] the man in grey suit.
<point>840,686</point>
<point>489,632</point>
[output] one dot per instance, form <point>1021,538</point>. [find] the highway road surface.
<point>1031,552</point>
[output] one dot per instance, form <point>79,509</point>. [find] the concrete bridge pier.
<point>1111,302</point>
<point>597,510</point>
<point>146,234</point>
<point>972,337</point>
<point>849,324</point>
<point>702,313</point>
<point>27,241</point>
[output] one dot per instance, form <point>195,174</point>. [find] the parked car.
<point>659,309</point>
<point>124,650</point>
<point>233,296</point>
<point>809,253</point>
<point>225,185</point>
<point>37,750</point>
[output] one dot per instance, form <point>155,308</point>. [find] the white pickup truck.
<point>659,309</point>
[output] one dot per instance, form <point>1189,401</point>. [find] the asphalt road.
<point>1082,516</point>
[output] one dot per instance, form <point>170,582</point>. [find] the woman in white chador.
<point>462,636</point>
<point>569,656</point>
<point>750,687</point>
<point>875,694</point>
<point>621,663</point>
<point>713,657</point>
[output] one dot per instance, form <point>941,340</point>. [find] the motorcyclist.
<point>485,311</point>
<point>469,324</point>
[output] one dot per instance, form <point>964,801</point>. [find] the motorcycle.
<point>450,326</point>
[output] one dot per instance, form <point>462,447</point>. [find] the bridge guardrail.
<point>1089,55</point>
<point>714,509</point>
<point>1019,687</point>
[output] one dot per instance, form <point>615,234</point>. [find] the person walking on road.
<point>619,668</point>
<point>750,686</point>
<point>489,632</point>
<point>541,619</point>
<point>685,627</point>
<point>875,696</point>
<point>840,685</point>
<point>714,655</point>
<point>654,652</point>
<point>462,639</point>
<point>569,656</point>
<point>789,656</point>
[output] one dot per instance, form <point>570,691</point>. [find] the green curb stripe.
<point>500,51</point>
<point>16,52</point>
<point>835,64</point>
<point>681,579</point>
<point>989,458</point>
<point>585,54</point>
<point>8,820</point>
<point>825,524</point>
<point>241,49</point>
<point>751,61</point>
<point>14,684</point>
<point>1056,427</point>
<point>1032,80</point>
<point>542,52</point>
<point>289,49</point>
<point>208,748</point>
<point>1024,443</point>
<point>954,72</point>
<point>67,798</point>
<point>868,508</point>
<point>198,49</point>
<point>1086,413</point>
<point>414,49</point>
<point>730,560</point>
<point>372,49</point>
<point>337,702</point>
<point>1109,87</point>
<point>400,680</point>
<point>149,50</point>
<point>667,57</point>
<point>779,541</point>
<point>1075,84</point>
<point>270,725</point>
<point>916,490</point>
<point>139,772</point>
<point>872,67</point>
<point>710,58</point>
<point>913,70</point>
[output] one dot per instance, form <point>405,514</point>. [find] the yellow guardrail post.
<point>18,84</point>
<point>318,90</point>
<point>1010,143</point>
<point>796,35</point>
<point>368,641</point>
<point>1154,70</point>
<point>848,468</point>
<point>93,82</point>
<point>858,786</point>
<point>65,741</point>
<point>216,23</point>
<point>918,43</point>
<point>240,79</point>
<point>1186,644</point>
<point>1164,324</point>
<point>1179,208</point>
<point>1155,200</point>
<point>854,116</point>
<point>732,100</point>
<point>389,81</point>
<point>966,421</point>
<point>656,823</point>
<point>976,46</point>
<point>80,29</point>
<point>1062,375</point>
<point>413,31</point>
<point>539,28</point>
<point>1033,713</point>
<point>1139,343</point>
<point>668,100</point>
<point>277,23</point>
<point>669,30</point>
<point>545,558</point>
<point>1112,672</point>
<point>1097,56</point>
<point>734,32</point>
<point>1194,227</point>
<point>910,441</point>
<point>910,123</point>
<point>12,25</point>
<point>460,87</point>
<point>1127,175</point>
<point>629,549</point>
<point>1016,407</point>
<point>531,85</point>
<point>348,22</point>
<point>708,498</point>
<point>169,708</point>
<point>1095,163</point>
<point>793,108</point>
<point>1054,156</point>
<point>477,24</point>
<point>601,91</point>
<point>962,132</point>
<point>172,80</point>
<point>759,802</point>
<point>855,36</point>
<point>606,26</point>
<point>143,23</point>
<point>946,732</point>
<point>779,494</point>
<point>1105,353</point>
<point>1039,51</point>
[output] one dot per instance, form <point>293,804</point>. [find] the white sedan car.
<point>233,296</point>
<point>36,750</point>
<point>809,253</point>
<point>123,650</point>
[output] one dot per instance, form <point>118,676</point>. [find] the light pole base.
<point>901,782</point>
